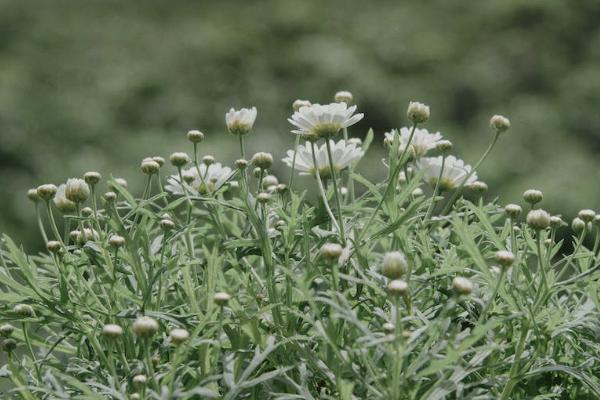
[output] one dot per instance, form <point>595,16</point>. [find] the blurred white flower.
<point>422,140</point>
<point>323,121</point>
<point>343,154</point>
<point>213,177</point>
<point>240,122</point>
<point>455,172</point>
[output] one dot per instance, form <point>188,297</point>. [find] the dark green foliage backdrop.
<point>98,85</point>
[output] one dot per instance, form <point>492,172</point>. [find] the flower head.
<point>323,121</point>
<point>77,190</point>
<point>240,122</point>
<point>343,154</point>
<point>61,202</point>
<point>454,173</point>
<point>422,140</point>
<point>213,176</point>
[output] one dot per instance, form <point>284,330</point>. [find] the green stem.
<point>435,190</point>
<point>336,193</point>
<point>38,371</point>
<point>53,222</point>
<point>322,189</point>
<point>296,144</point>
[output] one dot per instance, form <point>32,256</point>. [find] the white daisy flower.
<point>422,140</point>
<point>323,121</point>
<point>240,122</point>
<point>213,177</point>
<point>455,172</point>
<point>343,154</point>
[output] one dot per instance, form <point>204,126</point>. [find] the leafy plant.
<point>222,282</point>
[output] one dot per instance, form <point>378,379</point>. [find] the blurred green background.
<point>98,85</point>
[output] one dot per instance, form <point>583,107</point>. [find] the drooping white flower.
<point>323,121</point>
<point>422,140</point>
<point>343,155</point>
<point>455,172</point>
<point>240,122</point>
<point>213,177</point>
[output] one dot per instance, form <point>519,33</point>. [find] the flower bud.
<point>139,380</point>
<point>167,224</point>
<point>241,164</point>
<point>159,160</point>
<point>33,195</point>
<point>178,336</point>
<point>505,258</point>
<point>388,328</point>
<point>556,221</point>
<point>587,215</point>
<point>8,345</point>
<point>578,225</point>
<point>87,211</point>
<point>256,172</point>
<point>444,146</point>
<point>262,160</point>
<point>394,265</point>
<point>77,190</point>
<point>269,180</point>
<point>6,330</point>
<point>263,197</point>
<point>112,331</point>
<point>417,112</point>
<point>397,287</point>
<point>179,159</point>
<point>331,251</point>
<point>343,96</point>
<point>24,310</point>
<point>538,219</point>
<point>513,210</point>
<point>188,177</point>
<point>149,166</point>
<point>109,197</point>
<point>533,196</point>
<point>145,326</point>
<point>300,103</point>
<point>462,286</point>
<point>92,177</point>
<point>47,191</point>
<point>221,298</point>
<point>499,123</point>
<point>478,187</point>
<point>54,246</point>
<point>116,241</point>
<point>282,188</point>
<point>195,136</point>
<point>418,192</point>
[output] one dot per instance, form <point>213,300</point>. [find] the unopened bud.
<point>394,265</point>
<point>462,286</point>
<point>499,123</point>
<point>513,210</point>
<point>538,219</point>
<point>195,136</point>
<point>331,251</point>
<point>397,287</point>
<point>343,96</point>
<point>92,177</point>
<point>417,112</point>
<point>179,159</point>
<point>533,196</point>
<point>262,160</point>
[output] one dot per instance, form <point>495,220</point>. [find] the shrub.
<point>223,282</point>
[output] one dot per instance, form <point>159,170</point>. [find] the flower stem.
<point>435,190</point>
<point>336,193</point>
<point>322,190</point>
<point>296,144</point>
<point>53,222</point>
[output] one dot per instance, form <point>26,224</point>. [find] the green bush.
<point>228,282</point>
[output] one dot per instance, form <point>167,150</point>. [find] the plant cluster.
<point>224,282</point>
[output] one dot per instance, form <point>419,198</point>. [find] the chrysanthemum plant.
<point>227,282</point>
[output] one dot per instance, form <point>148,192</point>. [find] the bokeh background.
<point>98,85</point>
